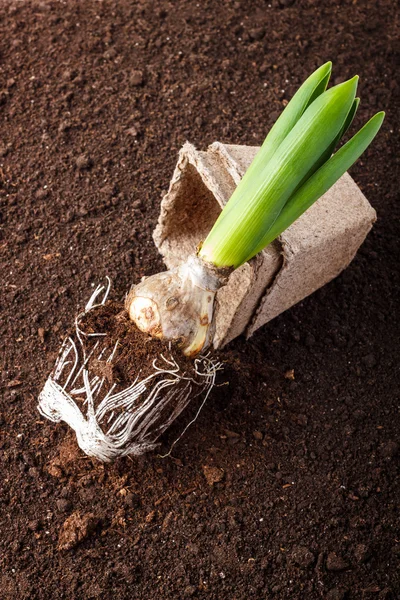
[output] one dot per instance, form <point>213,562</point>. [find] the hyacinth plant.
<point>297,163</point>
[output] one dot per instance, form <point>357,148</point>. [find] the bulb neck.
<point>205,274</point>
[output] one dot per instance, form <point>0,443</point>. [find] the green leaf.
<point>350,117</point>
<point>328,153</point>
<point>322,85</point>
<point>259,199</point>
<point>313,86</point>
<point>319,183</point>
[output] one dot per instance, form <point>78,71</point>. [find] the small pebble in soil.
<point>132,500</point>
<point>389,450</point>
<point>3,96</point>
<point>167,521</point>
<point>28,458</point>
<point>189,591</point>
<point>83,162</point>
<point>336,594</point>
<point>41,334</point>
<point>302,556</point>
<point>213,474</point>
<point>257,33</point>
<point>64,492</point>
<point>133,131</point>
<point>76,529</point>
<point>63,505</point>
<point>150,516</point>
<point>41,194</point>
<point>361,553</point>
<point>136,78</point>
<point>54,470</point>
<point>369,361</point>
<point>289,374</point>
<point>64,127</point>
<point>34,525</point>
<point>335,562</point>
<point>310,340</point>
<point>129,257</point>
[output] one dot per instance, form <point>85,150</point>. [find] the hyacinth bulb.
<point>178,305</point>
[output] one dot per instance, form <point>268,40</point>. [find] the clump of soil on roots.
<point>136,353</point>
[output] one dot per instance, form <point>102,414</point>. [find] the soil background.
<point>286,487</point>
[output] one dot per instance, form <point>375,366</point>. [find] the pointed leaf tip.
<point>352,82</point>
<point>327,65</point>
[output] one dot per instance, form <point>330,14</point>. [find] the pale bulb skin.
<point>178,305</point>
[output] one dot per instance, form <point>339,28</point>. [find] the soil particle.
<point>41,334</point>
<point>83,161</point>
<point>336,594</point>
<point>54,470</point>
<point>150,516</point>
<point>34,525</point>
<point>136,78</point>
<point>103,369</point>
<point>390,449</point>
<point>335,562</point>
<point>169,519</point>
<point>369,361</point>
<point>213,474</point>
<point>362,553</point>
<point>76,529</point>
<point>63,505</point>
<point>302,556</point>
<point>132,500</point>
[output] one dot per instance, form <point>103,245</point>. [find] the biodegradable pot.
<point>311,252</point>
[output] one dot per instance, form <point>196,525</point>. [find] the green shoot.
<point>309,91</point>
<point>323,179</point>
<point>293,168</point>
<point>313,86</point>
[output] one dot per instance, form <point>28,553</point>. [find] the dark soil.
<point>287,486</point>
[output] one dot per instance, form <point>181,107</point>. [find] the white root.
<point>128,421</point>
